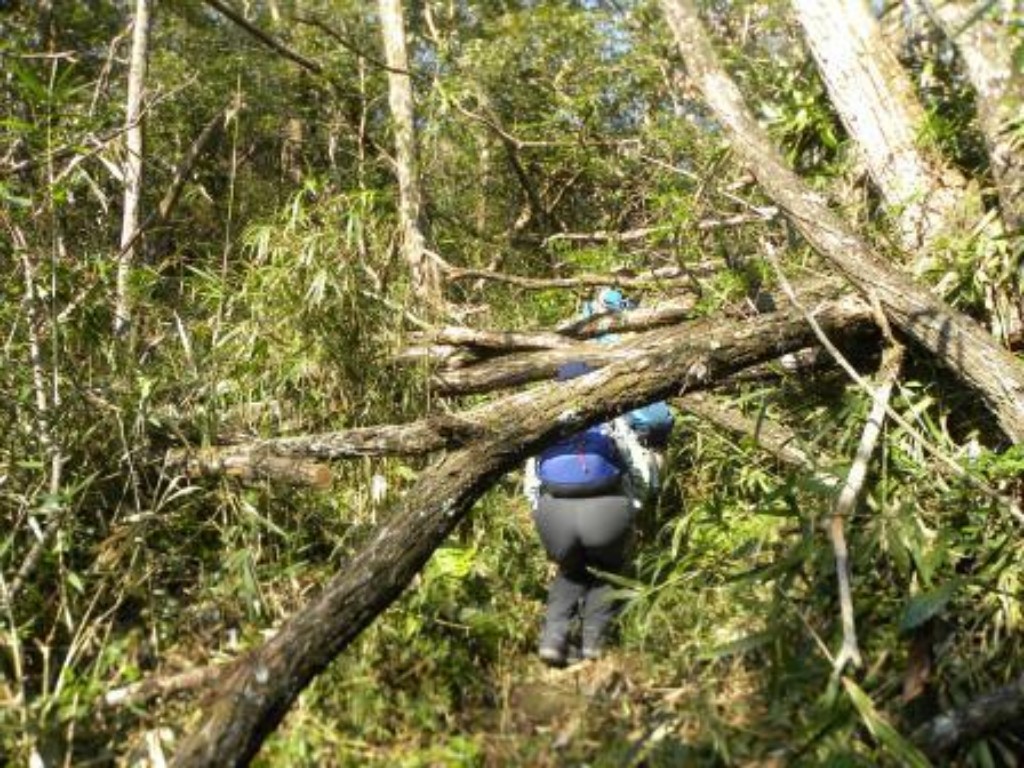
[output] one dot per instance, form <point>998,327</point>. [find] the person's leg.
<point>565,594</point>
<point>555,521</point>
<point>599,610</point>
<point>606,533</point>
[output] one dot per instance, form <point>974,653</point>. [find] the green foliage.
<point>271,300</point>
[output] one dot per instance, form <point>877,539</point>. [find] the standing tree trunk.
<point>987,48</point>
<point>877,104</point>
<point>425,275</point>
<point>132,164</point>
<point>953,338</point>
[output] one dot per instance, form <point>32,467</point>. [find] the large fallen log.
<point>257,692</point>
<point>454,430</point>
<point>954,339</point>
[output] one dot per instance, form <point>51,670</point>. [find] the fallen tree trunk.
<point>954,339</point>
<point>564,335</point>
<point>453,431</point>
<point>257,692</point>
<point>876,102</point>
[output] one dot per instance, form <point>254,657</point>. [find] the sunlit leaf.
<point>896,745</point>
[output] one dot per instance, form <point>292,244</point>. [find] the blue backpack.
<point>653,424</point>
<point>585,464</point>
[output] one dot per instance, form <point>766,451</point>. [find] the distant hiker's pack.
<point>653,424</point>
<point>585,464</point>
<point>607,300</point>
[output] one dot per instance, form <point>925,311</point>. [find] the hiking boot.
<point>552,655</point>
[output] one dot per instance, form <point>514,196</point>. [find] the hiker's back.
<point>587,463</point>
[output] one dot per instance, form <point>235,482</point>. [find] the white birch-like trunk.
<point>876,102</point>
<point>424,273</point>
<point>132,164</point>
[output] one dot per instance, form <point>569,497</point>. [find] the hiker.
<point>583,508</point>
<point>585,491</point>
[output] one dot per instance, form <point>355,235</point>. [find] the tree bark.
<point>986,46</point>
<point>425,275</point>
<point>954,339</point>
<point>877,104</point>
<point>449,432</point>
<point>132,164</point>
<point>255,695</point>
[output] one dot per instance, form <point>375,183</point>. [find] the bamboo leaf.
<point>924,606</point>
<point>896,745</point>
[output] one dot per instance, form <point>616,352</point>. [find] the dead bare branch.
<point>626,278</point>
<point>268,40</point>
<point>163,686</point>
<point>453,431</point>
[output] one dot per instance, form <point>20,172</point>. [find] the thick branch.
<point>251,465</point>
<point>876,102</point>
<point>490,375</point>
<point>668,276</point>
<point>168,685</point>
<point>421,437</point>
<point>984,36</point>
<point>566,335</point>
<point>447,432</point>
<point>642,233</point>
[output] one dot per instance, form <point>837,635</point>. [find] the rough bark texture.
<point>257,693</point>
<point>133,162</point>
<point>953,338</point>
<point>424,272</point>
<point>456,430</point>
<point>876,102</point>
<point>250,465</point>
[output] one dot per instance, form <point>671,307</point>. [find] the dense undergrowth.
<point>727,641</point>
<point>731,624</point>
<point>274,302</point>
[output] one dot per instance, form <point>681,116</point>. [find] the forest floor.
<point>616,711</point>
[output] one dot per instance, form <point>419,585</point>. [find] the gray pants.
<point>578,534</point>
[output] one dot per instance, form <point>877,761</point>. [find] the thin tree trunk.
<point>133,164</point>
<point>954,339</point>
<point>987,49</point>
<point>425,276</point>
<point>877,104</point>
